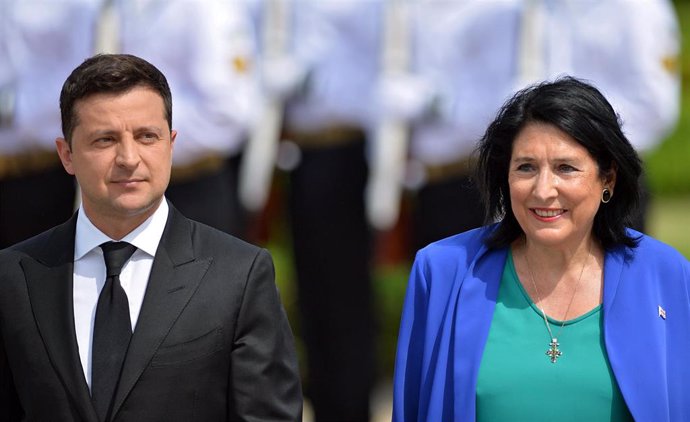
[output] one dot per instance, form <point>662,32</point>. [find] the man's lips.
<point>127,182</point>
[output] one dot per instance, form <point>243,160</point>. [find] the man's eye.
<point>148,137</point>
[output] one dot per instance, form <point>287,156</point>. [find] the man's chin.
<point>133,207</point>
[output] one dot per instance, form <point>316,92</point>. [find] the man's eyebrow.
<point>102,132</point>
<point>154,129</point>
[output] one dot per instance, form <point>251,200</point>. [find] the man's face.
<point>121,155</point>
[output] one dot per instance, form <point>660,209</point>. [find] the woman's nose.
<point>545,186</point>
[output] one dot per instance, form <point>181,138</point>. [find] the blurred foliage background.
<point>668,166</point>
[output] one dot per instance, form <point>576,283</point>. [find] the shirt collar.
<point>145,237</point>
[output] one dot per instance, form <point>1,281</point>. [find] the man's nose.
<point>127,152</point>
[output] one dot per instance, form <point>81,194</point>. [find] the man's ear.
<point>173,135</point>
<point>65,153</point>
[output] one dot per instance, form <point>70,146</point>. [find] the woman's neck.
<point>565,282</point>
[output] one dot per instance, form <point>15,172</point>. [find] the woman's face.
<point>555,186</point>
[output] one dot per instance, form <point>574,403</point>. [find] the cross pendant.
<point>554,353</point>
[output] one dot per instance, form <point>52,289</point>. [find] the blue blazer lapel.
<point>448,389</point>
<point>474,311</point>
<point>635,336</point>
<point>448,311</point>
<point>175,277</point>
<point>49,285</point>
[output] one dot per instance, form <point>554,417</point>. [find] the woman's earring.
<point>606,196</point>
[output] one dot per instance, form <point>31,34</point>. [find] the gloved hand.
<point>283,76</point>
<point>406,97</point>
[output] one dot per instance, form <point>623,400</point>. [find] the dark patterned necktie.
<point>112,329</point>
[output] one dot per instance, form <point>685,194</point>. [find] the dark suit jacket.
<point>212,342</point>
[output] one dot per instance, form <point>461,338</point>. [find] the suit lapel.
<point>175,276</point>
<point>49,284</point>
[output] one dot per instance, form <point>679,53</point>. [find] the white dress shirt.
<point>89,274</point>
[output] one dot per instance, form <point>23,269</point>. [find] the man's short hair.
<point>110,74</point>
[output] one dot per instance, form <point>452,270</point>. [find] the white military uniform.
<point>41,41</point>
<point>462,70</point>
<point>626,48</point>
<point>206,50</point>
<point>470,52</point>
<point>465,51</point>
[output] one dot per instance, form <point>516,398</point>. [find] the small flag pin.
<point>662,312</point>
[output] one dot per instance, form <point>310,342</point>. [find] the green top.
<point>518,382</point>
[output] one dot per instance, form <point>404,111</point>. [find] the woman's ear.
<point>609,177</point>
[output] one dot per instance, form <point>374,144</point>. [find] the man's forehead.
<point>110,96</point>
<point>106,100</point>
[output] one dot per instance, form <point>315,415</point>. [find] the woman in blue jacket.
<point>558,311</point>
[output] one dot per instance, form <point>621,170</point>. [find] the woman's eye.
<point>566,168</point>
<point>525,167</point>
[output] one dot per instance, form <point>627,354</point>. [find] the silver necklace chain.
<point>554,352</point>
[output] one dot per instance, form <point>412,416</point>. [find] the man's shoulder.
<point>215,242</point>
<point>41,244</point>
<point>47,248</point>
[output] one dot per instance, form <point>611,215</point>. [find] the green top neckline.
<point>514,277</point>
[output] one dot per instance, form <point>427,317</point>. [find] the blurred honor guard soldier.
<point>40,42</point>
<point>129,311</point>
<point>459,75</point>
<point>325,78</point>
<point>628,49</point>
<point>205,48</point>
<point>467,60</point>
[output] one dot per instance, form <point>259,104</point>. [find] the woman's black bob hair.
<point>581,111</point>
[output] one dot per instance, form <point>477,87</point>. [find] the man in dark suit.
<point>205,337</point>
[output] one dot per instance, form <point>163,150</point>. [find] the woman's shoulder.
<point>652,256</point>
<point>470,238</point>
<point>650,249</point>
<point>468,245</point>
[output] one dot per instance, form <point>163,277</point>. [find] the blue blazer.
<point>450,304</point>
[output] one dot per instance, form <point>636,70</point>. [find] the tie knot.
<point>115,255</point>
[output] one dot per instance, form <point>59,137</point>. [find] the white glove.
<point>283,77</point>
<point>406,97</point>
